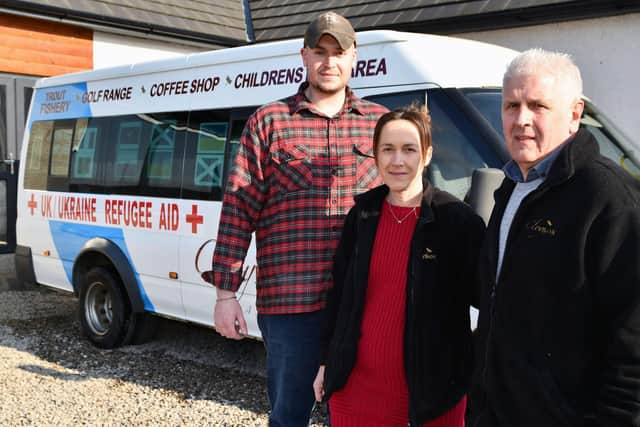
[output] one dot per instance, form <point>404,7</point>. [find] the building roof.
<point>225,23</point>
<point>276,19</point>
<point>220,23</point>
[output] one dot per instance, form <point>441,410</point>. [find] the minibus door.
<point>214,138</point>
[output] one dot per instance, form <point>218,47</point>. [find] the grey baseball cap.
<point>332,24</point>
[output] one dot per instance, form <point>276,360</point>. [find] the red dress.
<point>376,392</point>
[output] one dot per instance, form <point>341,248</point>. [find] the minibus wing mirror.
<point>484,182</point>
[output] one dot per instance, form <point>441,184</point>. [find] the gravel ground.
<point>186,376</point>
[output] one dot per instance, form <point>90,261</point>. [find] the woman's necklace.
<point>400,220</point>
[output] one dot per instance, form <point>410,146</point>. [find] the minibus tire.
<point>105,315</point>
<point>143,328</point>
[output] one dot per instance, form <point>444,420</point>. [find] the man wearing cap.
<point>300,163</point>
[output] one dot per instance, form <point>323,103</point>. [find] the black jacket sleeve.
<point>614,256</point>
<point>473,243</point>
<point>341,261</point>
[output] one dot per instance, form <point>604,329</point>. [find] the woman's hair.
<point>416,114</point>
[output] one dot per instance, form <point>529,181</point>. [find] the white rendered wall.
<point>113,49</point>
<point>607,51</point>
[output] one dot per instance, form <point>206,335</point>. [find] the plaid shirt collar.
<point>299,102</point>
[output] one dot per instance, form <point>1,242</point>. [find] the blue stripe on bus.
<point>60,102</point>
<point>69,239</point>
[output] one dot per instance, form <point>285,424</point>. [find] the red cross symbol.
<point>194,219</point>
<point>32,204</point>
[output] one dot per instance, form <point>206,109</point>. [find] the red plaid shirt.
<point>293,182</point>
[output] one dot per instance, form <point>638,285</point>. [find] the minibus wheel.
<point>143,327</point>
<point>104,309</point>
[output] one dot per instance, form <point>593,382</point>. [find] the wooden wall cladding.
<point>43,48</point>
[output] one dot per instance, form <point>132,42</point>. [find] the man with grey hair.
<point>559,326</point>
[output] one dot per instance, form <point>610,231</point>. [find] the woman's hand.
<point>318,384</point>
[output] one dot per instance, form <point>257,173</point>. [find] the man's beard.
<point>326,89</point>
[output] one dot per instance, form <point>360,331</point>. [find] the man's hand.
<point>227,316</point>
<point>318,384</point>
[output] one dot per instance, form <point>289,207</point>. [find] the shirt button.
<point>334,201</point>
<point>334,171</point>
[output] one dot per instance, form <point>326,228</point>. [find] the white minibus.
<point>123,169</point>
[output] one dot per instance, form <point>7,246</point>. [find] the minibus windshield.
<point>613,144</point>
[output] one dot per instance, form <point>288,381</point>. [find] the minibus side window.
<point>37,165</point>
<point>60,158</point>
<point>129,137</point>
<point>162,172</point>
<point>237,126</point>
<point>239,119</point>
<point>130,144</point>
<point>61,151</point>
<point>143,154</point>
<point>86,155</point>
<point>84,151</point>
<point>161,151</point>
<point>204,156</point>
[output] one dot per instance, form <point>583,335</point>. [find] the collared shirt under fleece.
<point>293,182</point>
<point>523,187</point>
